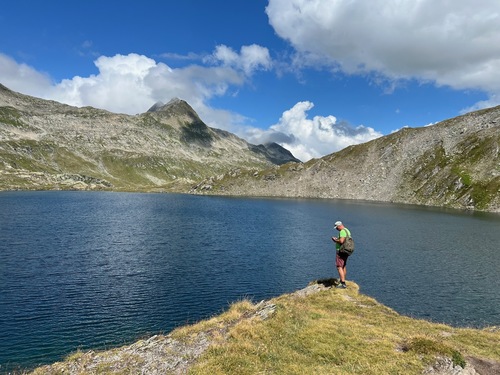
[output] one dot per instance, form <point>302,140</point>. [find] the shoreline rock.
<point>175,353</point>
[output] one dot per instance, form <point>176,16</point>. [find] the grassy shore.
<point>317,330</point>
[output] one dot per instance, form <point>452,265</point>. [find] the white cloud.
<point>126,84</point>
<point>250,59</point>
<point>451,43</point>
<point>119,86</point>
<point>492,101</point>
<point>311,138</point>
<point>22,77</point>
<point>132,83</point>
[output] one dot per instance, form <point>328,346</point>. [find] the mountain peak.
<point>175,101</point>
<point>175,107</point>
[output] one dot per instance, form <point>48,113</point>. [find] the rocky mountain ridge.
<point>48,145</point>
<point>454,163</point>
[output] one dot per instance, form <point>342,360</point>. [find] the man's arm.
<point>338,240</point>
<point>342,236</point>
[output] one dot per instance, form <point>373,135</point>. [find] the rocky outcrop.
<point>179,351</point>
<point>159,354</point>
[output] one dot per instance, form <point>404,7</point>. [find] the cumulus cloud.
<point>132,83</point>
<point>119,86</point>
<point>451,43</point>
<point>250,58</point>
<point>312,138</point>
<point>22,77</point>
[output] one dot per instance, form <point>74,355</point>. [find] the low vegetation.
<point>318,330</point>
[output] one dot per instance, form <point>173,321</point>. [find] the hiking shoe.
<point>341,286</point>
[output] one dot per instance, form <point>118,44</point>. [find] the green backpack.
<point>348,246</point>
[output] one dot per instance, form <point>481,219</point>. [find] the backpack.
<point>348,246</point>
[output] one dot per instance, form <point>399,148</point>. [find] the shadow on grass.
<point>327,283</point>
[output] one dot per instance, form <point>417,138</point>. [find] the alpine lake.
<point>94,270</point>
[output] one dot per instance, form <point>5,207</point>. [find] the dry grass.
<point>318,330</point>
<point>340,332</point>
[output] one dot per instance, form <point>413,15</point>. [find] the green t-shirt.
<point>343,233</point>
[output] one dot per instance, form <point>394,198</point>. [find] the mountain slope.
<point>454,163</point>
<point>49,145</point>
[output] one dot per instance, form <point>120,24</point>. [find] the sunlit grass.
<point>339,332</point>
<point>330,331</point>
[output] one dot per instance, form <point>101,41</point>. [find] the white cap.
<point>338,224</point>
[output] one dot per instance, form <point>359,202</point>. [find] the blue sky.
<point>313,75</point>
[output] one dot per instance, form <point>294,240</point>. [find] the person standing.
<point>341,258</point>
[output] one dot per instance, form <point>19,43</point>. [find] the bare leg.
<point>342,273</point>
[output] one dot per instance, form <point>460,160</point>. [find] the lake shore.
<point>318,329</point>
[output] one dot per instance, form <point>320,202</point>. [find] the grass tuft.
<point>432,348</point>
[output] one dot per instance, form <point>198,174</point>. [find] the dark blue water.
<point>82,270</point>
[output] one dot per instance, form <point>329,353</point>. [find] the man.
<point>341,258</point>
